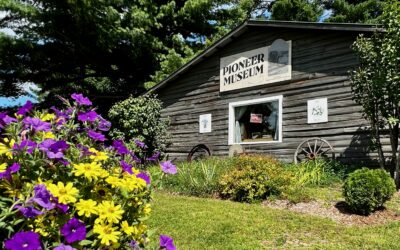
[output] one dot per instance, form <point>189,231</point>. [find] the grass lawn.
<point>197,223</point>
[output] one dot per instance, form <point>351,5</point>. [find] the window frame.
<point>231,118</point>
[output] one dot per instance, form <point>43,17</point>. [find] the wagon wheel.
<point>198,152</point>
<point>313,148</point>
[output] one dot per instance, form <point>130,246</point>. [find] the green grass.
<point>198,223</point>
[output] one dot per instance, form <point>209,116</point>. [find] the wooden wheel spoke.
<point>305,151</point>
<point>320,147</point>
<point>315,146</point>
<point>309,146</point>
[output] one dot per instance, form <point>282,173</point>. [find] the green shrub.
<point>140,118</point>
<point>254,178</point>
<point>317,172</point>
<point>196,178</point>
<point>366,190</point>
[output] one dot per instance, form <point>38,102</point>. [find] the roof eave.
<point>253,23</point>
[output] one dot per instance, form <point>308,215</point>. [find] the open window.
<point>256,121</point>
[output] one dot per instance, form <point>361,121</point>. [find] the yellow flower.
<point>6,147</point>
<point>65,194</point>
<point>90,170</point>
<point>3,167</point>
<point>46,135</point>
<point>130,182</point>
<point>108,211</point>
<point>107,233</point>
<point>114,181</point>
<point>47,117</point>
<point>147,209</point>
<point>98,155</point>
<point>128,230</point>
<point>86,207</point>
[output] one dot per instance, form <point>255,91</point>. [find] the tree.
<point>376,83</point>
<point>105,47</point>
<point>354,11</point>
<point>296,10</point>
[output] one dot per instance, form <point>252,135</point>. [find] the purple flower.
<point>62,116</point>
<point>43,197</point>
<point>90,116</point>
<point>96,136</point>
<point>25,109</point>
<point>84,150</point>
<point>104,125</point>
<point>168,168</point>
<point>63,247</point>
<point>154,157</point>
<point>140,144</point>
<point>10,170</point>
<point>64,208</point>
<point>29,211</point>
<point>134,245</point>
<point>166,243</point>
<point>5,119</point>
<point>25,144</point>
<point>23,241</point>
<point>81,100</point>
<point>37,124</point>
<point>144,176</point>
<point>54,149</point>
<point>73,230</point>
<point>120,147</point>
<point>126,167</point>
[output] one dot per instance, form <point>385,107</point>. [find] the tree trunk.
<point>377,135</point>
<point>394,142</point>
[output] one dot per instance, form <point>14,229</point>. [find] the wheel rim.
<point>313,148</point>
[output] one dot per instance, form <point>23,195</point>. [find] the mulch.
<point>336,211</point>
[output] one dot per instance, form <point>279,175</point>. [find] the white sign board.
<point>205,123</point>
<point>317,110</point>
<point>256,67</point>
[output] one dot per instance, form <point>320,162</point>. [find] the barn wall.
<point>320,62</point>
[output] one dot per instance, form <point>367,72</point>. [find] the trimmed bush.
<point>366,190</point>
<point>254,178</point>
<point>140,118</point>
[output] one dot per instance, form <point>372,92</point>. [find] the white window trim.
<point>231,119</point>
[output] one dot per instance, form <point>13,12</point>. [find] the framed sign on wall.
<point>205,123</point>
<point>317,110</point>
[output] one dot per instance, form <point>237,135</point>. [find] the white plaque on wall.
<point>205,123</point>
<point>317,110</point>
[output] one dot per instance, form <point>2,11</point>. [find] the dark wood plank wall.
<point>320,64</point>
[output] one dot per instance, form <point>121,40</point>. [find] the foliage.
<point>254,178</point>
<point>140,118</point>
<point>296,10</point>
<point>60,183</point>
<point>366,190</point>
<point>318,172</point>
<point>197,178</point>
<point>376,83</point>
<point>354,11</point>
<point>107,48</point>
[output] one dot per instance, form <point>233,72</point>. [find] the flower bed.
<point>62,187</point>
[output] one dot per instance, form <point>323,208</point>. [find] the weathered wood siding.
<point>320,64</point>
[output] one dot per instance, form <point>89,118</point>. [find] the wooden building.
<point>266,87</point>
